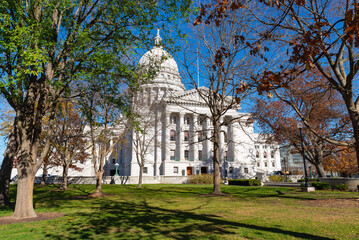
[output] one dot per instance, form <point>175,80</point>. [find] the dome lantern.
<point>168,76</point>
<point>158,39</point>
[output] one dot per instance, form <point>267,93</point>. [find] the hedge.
<point>342,187</point>
<point>244,182</point>
<point>321,185</point>
<point>200,179</point>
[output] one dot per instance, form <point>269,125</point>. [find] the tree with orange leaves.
<point>343,162</point>
<point>322,108</point>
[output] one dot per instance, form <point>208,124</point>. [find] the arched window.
<point>257,154</point>
<point>173,135</point>
<point>265,154</point>
<point>272,154</point>
<point>186,136</point>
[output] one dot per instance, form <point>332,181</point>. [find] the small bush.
<point>244,182</point>
<point>321,185</point>
<point>276,178</point>
<point>200,179</point>
<point>342,187</point>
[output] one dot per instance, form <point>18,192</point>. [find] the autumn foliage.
<point>343,163</point>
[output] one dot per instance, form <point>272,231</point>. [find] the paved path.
<point>283,184</point>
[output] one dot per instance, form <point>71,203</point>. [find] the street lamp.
<point>116,165</point>
<point>300,126</point>
<point>285,169</point>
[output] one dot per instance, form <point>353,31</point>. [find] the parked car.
<point>280,173</point>
<point>14,179</point>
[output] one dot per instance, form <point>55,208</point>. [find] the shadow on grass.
<point>137,220</point>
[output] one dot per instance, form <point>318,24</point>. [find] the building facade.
<point>178,136</point>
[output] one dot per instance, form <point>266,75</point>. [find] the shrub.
<point>342,187</point>
<point>321,185</point>
<point>244,182</point>
<point>276,178</point>
<point>200,179</point>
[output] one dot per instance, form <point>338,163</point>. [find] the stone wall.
<point>352,183</point>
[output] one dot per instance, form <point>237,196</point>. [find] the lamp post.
<point>300,126</point>
<point>285,169</point>
<point>116,165</point>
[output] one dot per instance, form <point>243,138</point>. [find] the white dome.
<point>158,54</point>
<point>168,75</point>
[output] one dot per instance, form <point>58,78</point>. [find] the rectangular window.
<point>186,154</point>
<point>175,169</point>
<point>230,169</point>
<point>145,170</point>
<point>245,170</point>
<point>173,135</point>
<point>173,120</point>
<point>265,164</point>
<point>173,155</point>
<point>186,136</point>
<point>258,164</point>
<point>200,155</point>
<point>273,165</point>
<point>199,134</point>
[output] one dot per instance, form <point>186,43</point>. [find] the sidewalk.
<point>283,184</point>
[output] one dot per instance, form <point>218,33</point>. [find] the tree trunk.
<point>216,178</point>
<point>6,167</point>
<point>320,170</point>
<point>354,117</point>
<point>64,176</point>
<point>216,172</point>
<point>140,177</point>
<point>98,191</point>
<point>44,175</point>
<point>24,200</point>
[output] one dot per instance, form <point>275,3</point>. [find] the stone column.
<point>207,144</point>
<point>166,140</point>
<point>232,144</point>
<point>179,139</point>
<point>157,142</point>
<point>221,141</point>
<point>194,138</point>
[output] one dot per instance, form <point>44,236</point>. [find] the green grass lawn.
<point>186,212</point>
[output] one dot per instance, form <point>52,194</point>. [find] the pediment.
<point>191,97</point>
